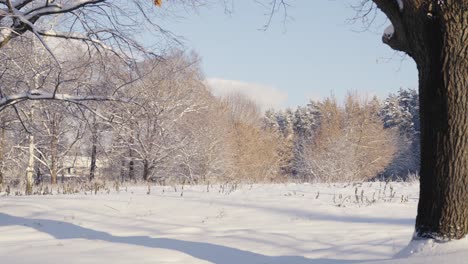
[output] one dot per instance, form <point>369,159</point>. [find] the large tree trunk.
<point>435,34</point>
<point>443,88</point>
<point>94,139</point>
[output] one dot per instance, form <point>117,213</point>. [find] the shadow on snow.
<point>201,250</point>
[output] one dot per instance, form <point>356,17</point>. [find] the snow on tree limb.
<point>22,16</point>
<point>80,37</point>
<point>401,5</point>
<point>394,35</point>
<point>389,31</point>
<point>392,39</point>
<point>53,9</point>
<point>96,23</point>
<point>42,95</point>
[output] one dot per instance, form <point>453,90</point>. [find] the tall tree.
<point>58,135</point>
<point>435,34</point>
<point>152,129</point>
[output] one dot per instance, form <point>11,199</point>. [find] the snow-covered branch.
<point>57,8</point>
<point>25,20</point>
<point>80,37</point>
<point>395,34</point>
<point>96,22</point>
<point>42,95</point>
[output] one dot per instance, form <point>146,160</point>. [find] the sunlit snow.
<point>288,224</point>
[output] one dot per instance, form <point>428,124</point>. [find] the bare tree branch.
<point>41,95</point>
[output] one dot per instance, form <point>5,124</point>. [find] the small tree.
<point>57,135</point>
<point>351,143</point>
<point>255,150</point>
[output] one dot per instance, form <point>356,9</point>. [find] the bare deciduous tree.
<point>152,128</point>
<point>58,134</point>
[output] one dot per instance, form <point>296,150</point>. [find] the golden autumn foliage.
<point>351,143</point>
<point>255,151</point>
<point>158,2</point>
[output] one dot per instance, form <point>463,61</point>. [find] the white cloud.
<point>266,96</point>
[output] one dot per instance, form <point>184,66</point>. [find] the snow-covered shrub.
<point>351,143</point>
<point>400,112</point>
<point>256,149</point>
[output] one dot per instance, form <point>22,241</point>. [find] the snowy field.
<point>290,224</point>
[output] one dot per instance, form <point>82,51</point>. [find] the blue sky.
<point>315,53</point>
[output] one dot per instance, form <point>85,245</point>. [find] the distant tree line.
<point>163,124</point>
<point>357,140</point>
<point>159,122</point>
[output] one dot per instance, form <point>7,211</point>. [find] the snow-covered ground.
<point>290,224</point>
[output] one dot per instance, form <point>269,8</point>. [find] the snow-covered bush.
<point>351,143</point>
<point>400,112</point>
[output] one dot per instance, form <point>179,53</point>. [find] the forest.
<point>159,122</point>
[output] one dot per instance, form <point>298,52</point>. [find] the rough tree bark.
<point>94,141</point>
<point>435,34</point>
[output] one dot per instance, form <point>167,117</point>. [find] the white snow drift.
<point>290,224</point>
